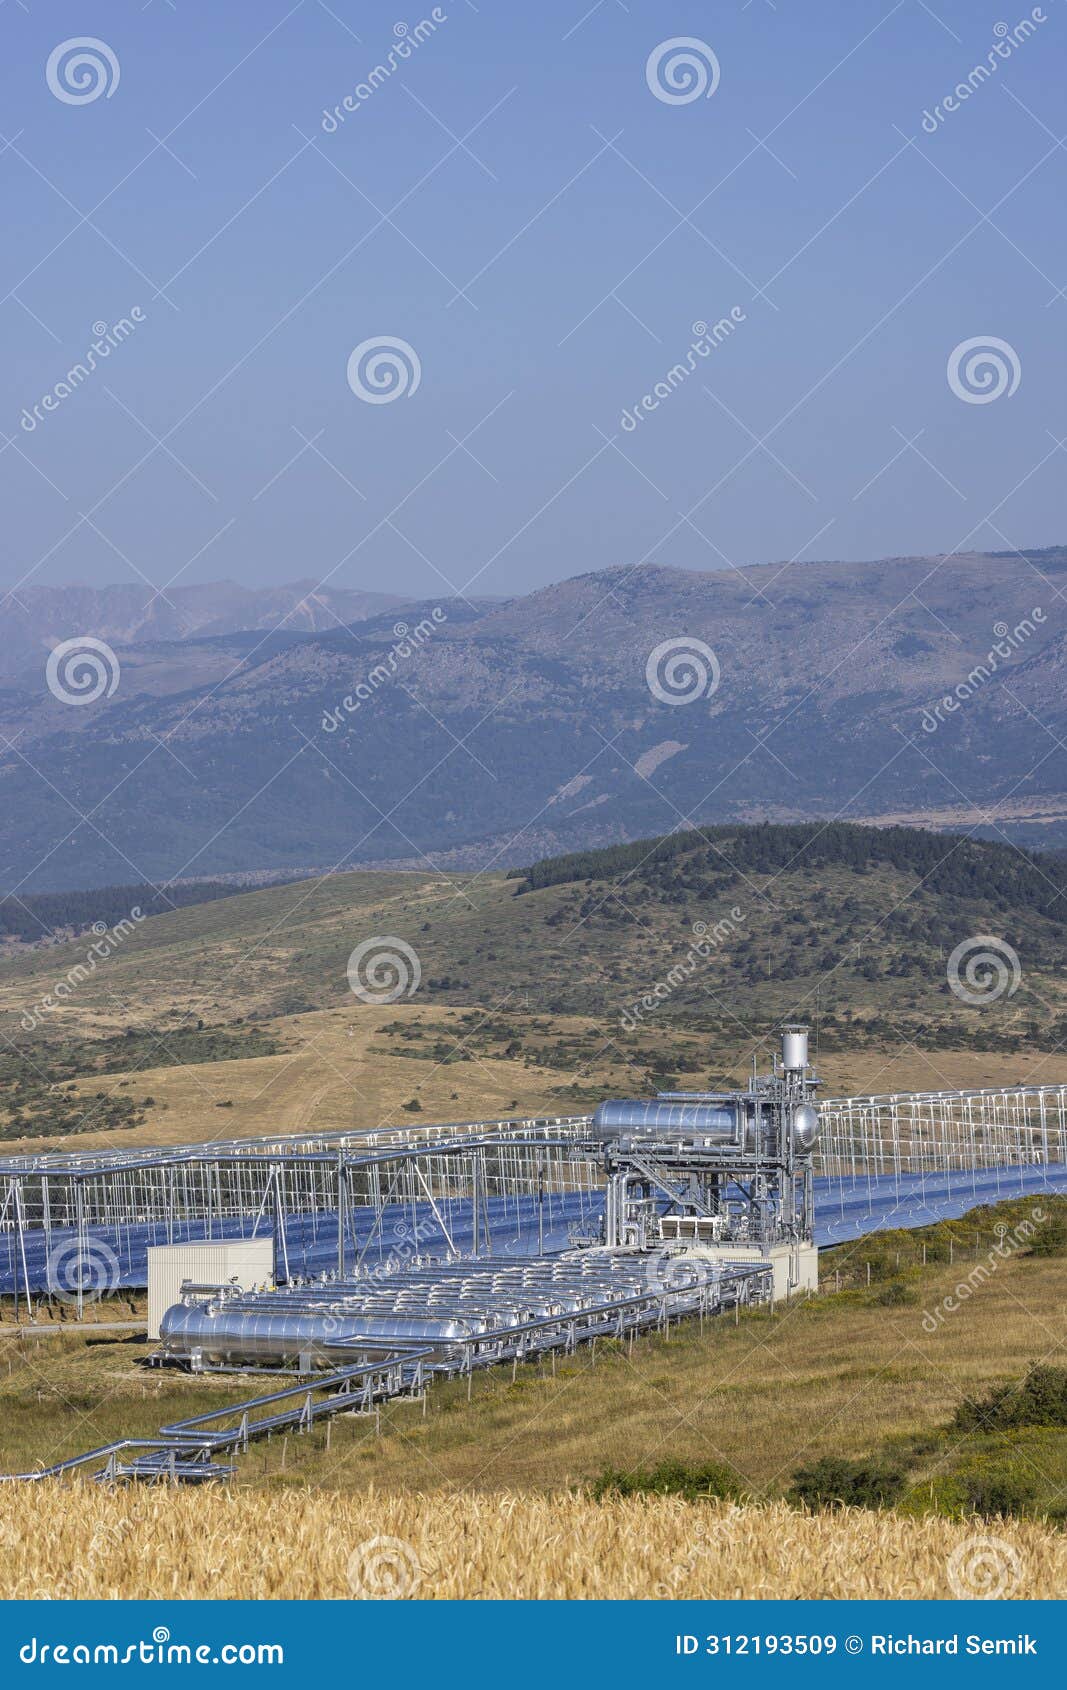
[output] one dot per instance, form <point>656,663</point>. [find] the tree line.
<point>947,865</point>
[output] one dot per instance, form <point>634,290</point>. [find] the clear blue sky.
<point>519,155</point>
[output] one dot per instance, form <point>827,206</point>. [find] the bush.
<point>997,1492</point>
<point>1051,1240</point>
<point>669,1478</point>
<point>895,1295</point>
<point>836,1482</point>
<point>1038,1400</point>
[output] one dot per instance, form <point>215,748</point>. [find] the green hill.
<point>673,957</point>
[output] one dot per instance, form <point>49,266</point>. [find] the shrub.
<point>836,1482</point>
<point>669,1478</point>
<point>895,1294</point>
<point>1051,1239</point>
<point>1038,1400</point>
<point>995,1491</point>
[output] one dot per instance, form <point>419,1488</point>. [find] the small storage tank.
<point>794,1049</point>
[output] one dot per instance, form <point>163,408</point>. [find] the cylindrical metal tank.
<point>722,1122</point>
<point>795,1049</point>
<point>235,1335</point>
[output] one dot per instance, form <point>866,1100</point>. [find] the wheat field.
<point>83,1541</point>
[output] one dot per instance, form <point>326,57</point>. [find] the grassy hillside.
<point>41,917</point>
<point>668,961</point>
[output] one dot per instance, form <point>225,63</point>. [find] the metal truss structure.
<point>78,1223</point>
<point>940,1132</point>
<point>391,1248</point>
<point>602,1298</point>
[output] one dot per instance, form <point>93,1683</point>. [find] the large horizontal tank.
<point>721,1122</point>
<point>229,1334</point>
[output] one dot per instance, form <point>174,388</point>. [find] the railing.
<point>186,1448</point>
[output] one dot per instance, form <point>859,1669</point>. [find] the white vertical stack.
<point>248,1260</point>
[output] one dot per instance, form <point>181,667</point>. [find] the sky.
<point>543,205</point>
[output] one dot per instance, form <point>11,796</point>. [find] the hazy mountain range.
<point>291,729</point>
<point>34,619</point>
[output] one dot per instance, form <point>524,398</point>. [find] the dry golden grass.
<point>335,1075</point>
<point>327,1080</point>
<point>330,1079</point>
<point>861,1073</point>
<point>86,1542</point>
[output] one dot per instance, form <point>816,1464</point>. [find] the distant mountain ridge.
<point>493,734</point>
<point>33,619</point>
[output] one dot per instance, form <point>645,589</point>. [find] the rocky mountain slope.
<point>498,733</point>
